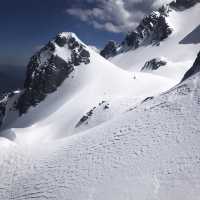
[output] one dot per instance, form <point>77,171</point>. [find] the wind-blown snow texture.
<point>105,133</point>
<point>149,151</point>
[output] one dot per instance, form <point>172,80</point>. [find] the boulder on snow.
<point>153,64</point>
<point>47,70</point>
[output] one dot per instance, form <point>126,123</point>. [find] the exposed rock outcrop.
<point>47,70</point>
<point>153,64</point>
<point>104,105</point>
<point>194,69</point>
<point>152,30</point>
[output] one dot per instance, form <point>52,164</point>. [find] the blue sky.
<point>28,24</point>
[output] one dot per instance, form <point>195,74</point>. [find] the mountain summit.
<point>49,67</point>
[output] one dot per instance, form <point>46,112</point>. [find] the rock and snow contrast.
<point>161,35</point>
<point>116,128</point>
<point>67,80</point>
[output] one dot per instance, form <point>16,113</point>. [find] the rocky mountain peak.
<point>110,49</point>
<point>46,71</point>
<point>151,30</point>
<point>49,67</point>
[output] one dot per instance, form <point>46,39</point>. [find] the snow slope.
<point>149,152</point>
<point>85,88</point>
<point>179,56</point>
<point>102,84</point>
<point>108,133</point>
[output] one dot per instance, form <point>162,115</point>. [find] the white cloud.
<point>115,15</point>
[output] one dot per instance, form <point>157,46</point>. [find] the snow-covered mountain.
<point>150,151</point>
<point>161,36</point>
<point>126,127</point>
<point>66,76</point>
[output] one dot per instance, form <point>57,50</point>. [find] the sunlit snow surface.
<point>179,56</point>
<point>150,152</point>
<point>143,150</point>
<point>98,81</point>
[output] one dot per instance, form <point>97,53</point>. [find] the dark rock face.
<point>194,69</point>
<point>110,50</point>
<point>46,71</point>
<point>151,30</point>
<point>132,40</point>
<point>183,4</point>
<point>153,64</point>
<point>85,119</point>
<point>192,38</point>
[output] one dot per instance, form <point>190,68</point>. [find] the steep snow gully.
<point>89,128</point>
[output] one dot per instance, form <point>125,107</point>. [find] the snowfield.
<point>89,85</point>
<point>149,152</point>
<point>111,132</point>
